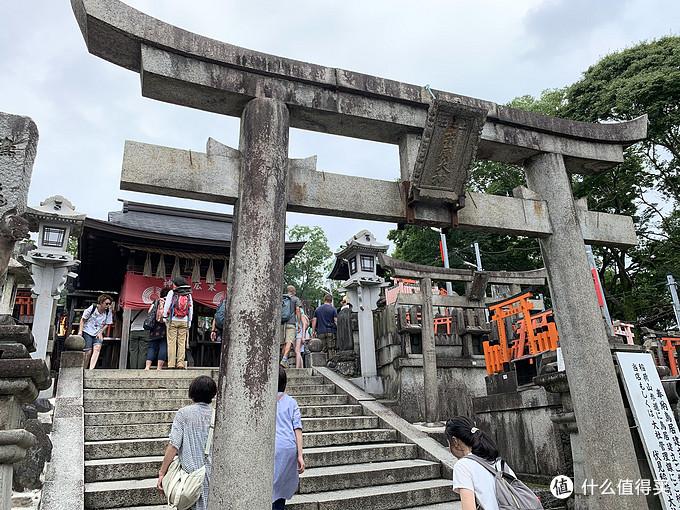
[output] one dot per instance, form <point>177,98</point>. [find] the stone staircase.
<point>353,459</point>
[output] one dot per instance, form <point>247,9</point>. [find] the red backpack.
<point>180,306</point>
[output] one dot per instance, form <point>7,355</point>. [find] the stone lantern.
<point>357,262</point>
<point>55,220</point>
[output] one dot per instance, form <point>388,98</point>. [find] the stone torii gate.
<point>437,141</point>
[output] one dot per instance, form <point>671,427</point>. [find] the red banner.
<point>140,291</point>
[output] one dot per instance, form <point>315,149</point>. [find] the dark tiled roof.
<point>173,221</point>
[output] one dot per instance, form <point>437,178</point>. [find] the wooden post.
<point>124,340</point>
<point>430,384</point>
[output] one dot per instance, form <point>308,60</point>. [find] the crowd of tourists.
<point>297,329</point>
<point>158,335</point>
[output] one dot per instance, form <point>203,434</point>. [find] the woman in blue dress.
<point>288,461</point>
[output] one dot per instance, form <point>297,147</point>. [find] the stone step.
<point>129,418</point>
<point>189,373</point>
<point>360,453</point>
<point>172,404</point>
<point>151,382</point>
<point>181,393</point>
<point>131,493</point>
<point>125,432</point>
<point>333,478</point>
<point>122,416</point>
<point>326,424</point>
<point>153,507</point>
<point>98,470</point>
<point>101,470</point>
<point>380,497</point>
<point>114,373</point>
<point>162,429</point>
<point>328,411</point>
<point>314,480</point>
<point>347,437</point>
<point>321,400</point>
<point>112,406</point>
<point>152,446</point>
<point>122,494</point>
<point>127,448</point>
<point>451,505</point>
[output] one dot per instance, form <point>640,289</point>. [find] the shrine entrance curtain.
<point>140,291</point>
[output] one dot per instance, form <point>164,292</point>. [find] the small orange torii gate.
<point>476,283</point>
<point>535,334</point>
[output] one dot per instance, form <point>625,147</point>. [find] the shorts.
<point>288,333</point>
<point>91,341</point>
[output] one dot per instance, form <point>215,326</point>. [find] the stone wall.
<point>519,421</point>
<point>460,379</point>
<point>459,382</point>
<point>526,437</point>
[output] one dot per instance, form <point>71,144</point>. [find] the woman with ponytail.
<point>471,480</point>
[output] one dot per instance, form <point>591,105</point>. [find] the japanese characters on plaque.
<point>656,423</point>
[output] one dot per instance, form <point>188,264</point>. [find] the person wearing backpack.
<point>178,313</point>
<point>481,478</point>
<point>157,350</point>
<point>218,321</point>
<point>290,316</point>
<point>92,325</point>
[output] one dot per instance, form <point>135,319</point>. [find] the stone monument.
<point>18,145</point>
<point>20,376</point>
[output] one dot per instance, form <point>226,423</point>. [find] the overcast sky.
<point>85,107</point>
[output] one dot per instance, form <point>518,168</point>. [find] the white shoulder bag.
<point>181,488</point>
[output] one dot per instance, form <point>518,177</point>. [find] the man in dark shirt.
<point>324,324</point>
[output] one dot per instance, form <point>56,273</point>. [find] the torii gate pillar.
<point>598,407</point>
<point>245,420</point>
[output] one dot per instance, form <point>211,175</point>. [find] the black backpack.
<point>150,321</point>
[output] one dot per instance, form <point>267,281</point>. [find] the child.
<point>472,481</point>
<point>288,461</point>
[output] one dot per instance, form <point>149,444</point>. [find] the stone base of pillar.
<point>317,359</point>
<point>72,359</point>
<point>372,385</point>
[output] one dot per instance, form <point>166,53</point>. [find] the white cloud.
<point>493,49</point>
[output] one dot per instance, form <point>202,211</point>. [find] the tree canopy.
<point>621,86</point>
<point>308,269</point>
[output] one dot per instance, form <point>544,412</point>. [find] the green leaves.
<point>309,268</point>
<point>644,79</point>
